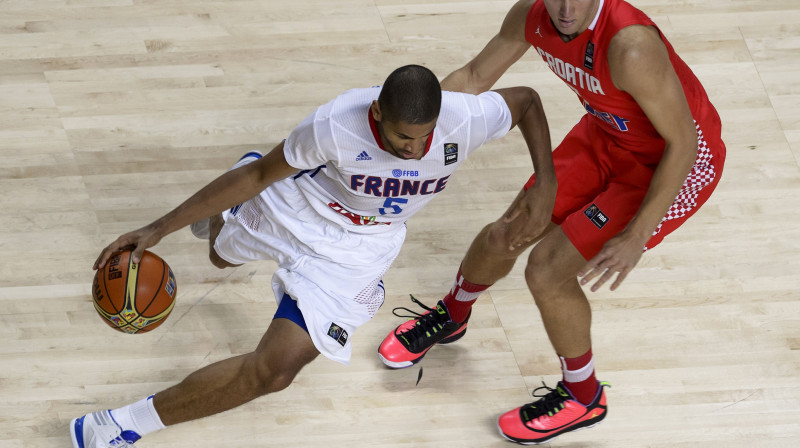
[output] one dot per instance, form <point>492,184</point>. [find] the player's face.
<point>571,17</point>
<point>405,140</point>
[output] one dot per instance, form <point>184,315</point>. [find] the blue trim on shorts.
<point>288,309</point>
<point>255,154</point>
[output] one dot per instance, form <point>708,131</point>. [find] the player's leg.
<point>215,224</point>
<point>551,275</point>
<point>490,258</point>
<point>280,355</point>
<point>578,400</point>
<point>283,351</point>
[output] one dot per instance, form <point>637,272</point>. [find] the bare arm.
<point>640,65</point>
<point>530,213</point>
<point>232,188</point>
<point>502,51</point>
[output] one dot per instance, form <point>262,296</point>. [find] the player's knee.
<point>277,382</point>
<point>540,274</point>
<point>273,375</point>
<point>497,239</point>
<point>218,261</point>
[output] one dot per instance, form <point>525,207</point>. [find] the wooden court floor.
<point>114,111</point>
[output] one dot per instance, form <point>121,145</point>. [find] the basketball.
<point>134,298</point>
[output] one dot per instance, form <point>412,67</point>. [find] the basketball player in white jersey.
<point>328,203</point>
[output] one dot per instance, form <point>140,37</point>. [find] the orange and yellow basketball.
<point>134,298</point>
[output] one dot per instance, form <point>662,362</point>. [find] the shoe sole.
<point>546,440</point>
<point>404,364</point>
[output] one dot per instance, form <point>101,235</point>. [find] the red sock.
<point>579,377</point>
<point>460,299</point>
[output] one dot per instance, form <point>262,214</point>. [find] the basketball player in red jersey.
<point>642,160</point>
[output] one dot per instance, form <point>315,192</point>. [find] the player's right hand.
<point>137,241</point>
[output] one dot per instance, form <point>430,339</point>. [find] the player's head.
<point>407,109</point>
<point>411,94</point>
<point>571,17</point>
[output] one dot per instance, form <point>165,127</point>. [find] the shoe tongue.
<point>442,311</point>
<point>564,392</point>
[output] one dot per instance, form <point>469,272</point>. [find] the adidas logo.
<point>363,156</point>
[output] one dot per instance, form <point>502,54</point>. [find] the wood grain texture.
<point>112,112</point>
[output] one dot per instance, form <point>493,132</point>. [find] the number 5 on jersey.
<point>391,204</point>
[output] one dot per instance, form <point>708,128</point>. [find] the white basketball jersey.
<point>349,179</point>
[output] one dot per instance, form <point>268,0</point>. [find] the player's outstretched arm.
<point>502,51</point>
<point>228,190</point>
<point>530,213</point>
<point>640,65</point>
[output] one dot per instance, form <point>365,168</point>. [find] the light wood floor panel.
<point>112,112</point>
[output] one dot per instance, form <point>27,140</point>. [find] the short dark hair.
<point>411,94</point>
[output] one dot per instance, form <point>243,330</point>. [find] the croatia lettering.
<point>392,187</point>
<point>575,76</point>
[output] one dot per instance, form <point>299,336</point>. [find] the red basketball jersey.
<point>582,64</point>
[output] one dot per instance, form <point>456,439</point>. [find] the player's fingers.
<point>519,241</point>
<point>523,233</point>
<point>607,274</point>
<point>588,268</point>
<point>137,253</point>
<point>601,267</point>
<point>589,276</point>
<point>529,233</point>
<point>100,261</point>
<point>105,255</point>
<point>619,279</point>
<point>513,212</point>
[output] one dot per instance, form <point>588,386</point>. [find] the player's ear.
<point>375,109</point>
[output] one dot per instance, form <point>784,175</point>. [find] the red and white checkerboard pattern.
<point>702,174</point>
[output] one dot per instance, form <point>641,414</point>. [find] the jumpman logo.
<point>537,32</point>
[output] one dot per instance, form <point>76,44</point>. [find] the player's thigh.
<point>284,349</point>
<point>603,217</point>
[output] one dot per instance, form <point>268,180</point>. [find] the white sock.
<point>140,417</point>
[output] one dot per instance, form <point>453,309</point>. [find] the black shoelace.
<point>428,327</point>
<point>548,403</point>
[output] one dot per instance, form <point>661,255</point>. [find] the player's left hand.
<point>529,215</point>
<point>618,256</point>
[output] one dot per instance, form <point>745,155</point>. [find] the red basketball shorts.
<point>601,186</point>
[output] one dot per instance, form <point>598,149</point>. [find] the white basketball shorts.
<point>334,275</point>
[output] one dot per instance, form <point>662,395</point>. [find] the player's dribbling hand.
<point>138,241</point>
<point>618,256</point>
